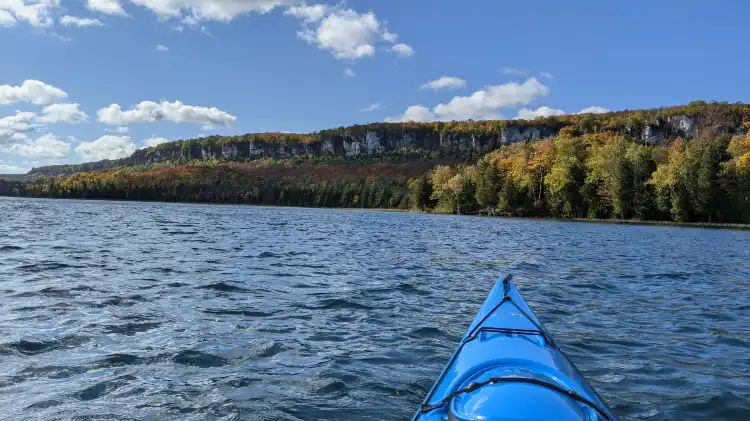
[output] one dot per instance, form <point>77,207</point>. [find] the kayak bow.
<point>508,367</point>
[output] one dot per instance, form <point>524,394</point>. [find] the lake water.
<point>151,311</point>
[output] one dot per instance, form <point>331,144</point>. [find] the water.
<point>117,310</point>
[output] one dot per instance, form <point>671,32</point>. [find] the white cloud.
<point>485,103</point>
<point>176,112</point>
<point>161,48</point>
<point>348,35</point>
<point>194,11</point>
<point>308,14</point>
<point>403,50</point>
<point>372,107</point>
<point>12,169</point>
<point>108,7</point>
<point>543,111</point>
<point>593,110</point>
<point>481,105</point>
<point>413,113</point>
<point>207,127</point>
<point>68,113</point>
<point>68,20</point>
<point>547,75</point>
<point>13,128</point>
<point>350,72</point>
<point>33,91</point>
<point>46,147</point>
<point>512,71</point>
<point>6,19</point>
<point>445,82</point>
<point>153,141</point>
<point>120,129</point>
<point>35,12</point>
<point>106,147</point>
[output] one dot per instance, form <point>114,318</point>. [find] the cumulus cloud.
<point>67,113</point>
<point>543,111</point>
<point>485,103</point>
<point>161,48</point>
<point>350,72</point>
<point>481,105</point>
<point>13,128</point>
<point>372,107</point>
<point>308,14</point>
<point>194,11</point>
<point>403,50</point>
<point>345,33</point>
<point>6,19</point>
<point>413,113</point>
<point>33,91</point>
<point>12,169</point>
<point>36,13</point>
<point>106,147</point>
<point>175,112</point>
<point>108,7</point>
<point>68,20</point>
<point>154,141</point>
<point>593,110</point>
<point>46,147</point>
<point>445,82</point>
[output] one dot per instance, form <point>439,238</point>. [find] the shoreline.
<point>705,225</point>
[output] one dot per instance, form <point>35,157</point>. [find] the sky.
<point>98,79</point>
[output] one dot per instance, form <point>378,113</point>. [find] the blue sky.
<point>145,71</point>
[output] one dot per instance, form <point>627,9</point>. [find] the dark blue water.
<point>196,312</point>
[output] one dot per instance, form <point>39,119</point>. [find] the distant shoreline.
<point>715,225</point>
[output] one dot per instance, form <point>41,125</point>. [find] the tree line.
<point>572,175</point>
<point>322,185</point>
<point>598,175</point>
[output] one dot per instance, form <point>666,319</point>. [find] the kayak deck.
<point>507,367</point>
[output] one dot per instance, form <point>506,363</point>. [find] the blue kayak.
<point>507,367</point>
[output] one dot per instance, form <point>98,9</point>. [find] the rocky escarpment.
<point>447,139</point>
<point>371,142</point>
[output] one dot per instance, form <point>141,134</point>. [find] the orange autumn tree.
<point>737,176</point>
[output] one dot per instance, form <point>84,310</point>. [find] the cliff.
<point>453,139</point>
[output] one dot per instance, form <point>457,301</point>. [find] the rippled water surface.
<point>117,310</point>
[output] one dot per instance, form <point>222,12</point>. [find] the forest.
<point>602,175</point>
<point>572,175</point>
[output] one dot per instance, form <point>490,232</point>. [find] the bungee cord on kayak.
<point>517,363</point>
<point>474,386</point>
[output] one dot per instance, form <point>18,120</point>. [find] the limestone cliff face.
<point>374,143</point>
<point>370,143</point>
<point>395,137</point>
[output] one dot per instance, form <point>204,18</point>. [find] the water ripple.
<point>125,310</point>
